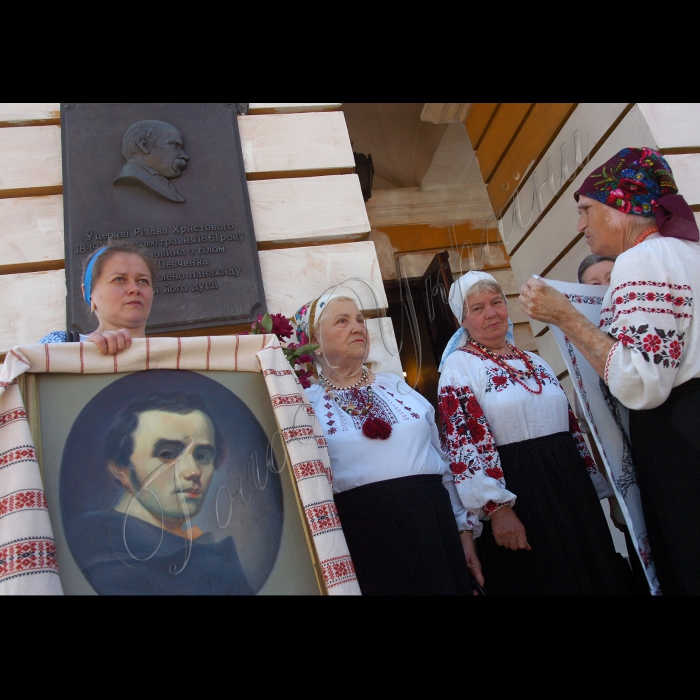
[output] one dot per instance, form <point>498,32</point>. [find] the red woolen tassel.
<point>376,428</point>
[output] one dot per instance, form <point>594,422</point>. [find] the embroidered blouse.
<point>58,337</point>
<point>648,309</point>
<point>481,407</point>
<point>413,447</point>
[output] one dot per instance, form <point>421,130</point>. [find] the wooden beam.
<point>438,206</point>
<point>686,171</point>
<point>419,237</point>
<point>292,108</point>
<point>33,305</point>
<point>31,158</point>
<point>479,119</point>
<point>284,145</point>
<point>583,133</point>
<point>31,230</point>
<point>534,138</point>
<point>294,276</point>
<point>308,210</point>
<point>675,125</point>
<point>501,132</point>
<point>557,230</point>
<point>29,113</point>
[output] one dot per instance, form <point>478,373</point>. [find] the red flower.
<point>500,381</point>
<point>675,350</point>
<point>281,326</point>
<point>448,405</point>
<point>632,296</point>
<point>652,343</point>
<point>633,186</point>
<point>625,339</point>
<point>651,296</point>
<point>620,200</point>
<point>458,467</point>
<point>668,298</point>
<point>473,408</point>
<point>619,300</point>
<point>304,378</point>
<point>678,301</point>
<point>476,430</point>
<point>494,472</point>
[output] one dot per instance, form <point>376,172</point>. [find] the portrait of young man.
<point>163,450</point>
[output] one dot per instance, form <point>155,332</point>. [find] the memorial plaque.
<point>169,178</point>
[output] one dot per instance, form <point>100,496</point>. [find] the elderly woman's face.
<point>603,226</point>
<point>598,273</point>
<point>342,334</point>
<point>487,318</point>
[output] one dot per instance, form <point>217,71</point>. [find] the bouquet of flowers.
<point>298,354</point>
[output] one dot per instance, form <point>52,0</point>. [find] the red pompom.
<point>376,428</point>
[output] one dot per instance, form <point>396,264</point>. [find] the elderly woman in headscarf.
<point>647,348</point>
<point>519,460</point>
<point>391,482</point>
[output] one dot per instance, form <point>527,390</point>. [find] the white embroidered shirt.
<point>482,407</point>
<point>648,308</point>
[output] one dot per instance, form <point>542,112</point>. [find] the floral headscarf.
<point>639,181</point>
<point>305,319</point>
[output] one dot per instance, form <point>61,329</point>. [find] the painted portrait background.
<point>257,515</point>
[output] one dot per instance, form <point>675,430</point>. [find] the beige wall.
<point>309,216</point>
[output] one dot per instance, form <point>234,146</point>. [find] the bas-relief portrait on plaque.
<point>166,483</point>
<point>167,177</point>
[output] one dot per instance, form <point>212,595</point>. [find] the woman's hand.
<point>472,560</point>
<point>111,342</point>
<point>542,302</point>
<point>507,529</point>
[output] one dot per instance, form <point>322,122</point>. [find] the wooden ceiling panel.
<point>499,136</point>
<point>480,116</point>
<point>542,125</point>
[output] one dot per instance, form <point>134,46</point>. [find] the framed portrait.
<point>180,466</point>
<point>171,482</point>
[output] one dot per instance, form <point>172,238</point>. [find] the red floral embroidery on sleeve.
<point>467,439</point>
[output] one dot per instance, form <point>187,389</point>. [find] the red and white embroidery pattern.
<point>12,416</point>
<point>322,517</point>
<point>338,570</point>
<point>23,453</point>
<point>31,499</point>
<point>27,556</point>
<point>467,438</point>
<point>654,339</point>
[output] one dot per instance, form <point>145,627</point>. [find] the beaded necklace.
<point>644,235</point>
<point>373,427</point>
<point>517,375</point>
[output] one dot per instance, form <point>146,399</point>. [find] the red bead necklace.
<point>645,234</point>
<point>517,375</point>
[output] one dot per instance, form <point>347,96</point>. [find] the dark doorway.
<point>423,323</point>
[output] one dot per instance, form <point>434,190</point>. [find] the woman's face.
<point>487,318</point>
<point>342,335</point>
<point>598,273</point>
<point>123,293</point>
<point>603,226</point>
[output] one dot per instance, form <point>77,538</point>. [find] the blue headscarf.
<point>88,274</point>
<point>458,293</point>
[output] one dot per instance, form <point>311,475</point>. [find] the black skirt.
<point>572,549</point>
<point>666,450</point>
<point>403,537</point>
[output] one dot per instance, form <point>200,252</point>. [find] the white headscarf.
<point>456,298</point>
